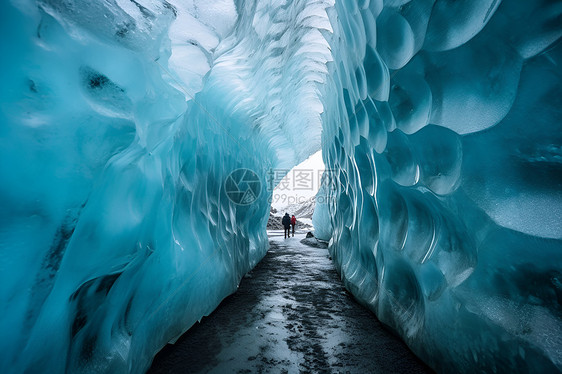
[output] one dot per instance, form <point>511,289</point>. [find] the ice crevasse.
<point>122,124</point>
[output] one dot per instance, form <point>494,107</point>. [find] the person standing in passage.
<point>286,221</point>
<point>293,223</point>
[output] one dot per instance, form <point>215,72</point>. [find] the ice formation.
<point>447,221</point>
<point>122,120</point>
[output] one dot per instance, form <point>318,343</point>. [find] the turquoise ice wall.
<point>123,125</point>
<point>445,138</point>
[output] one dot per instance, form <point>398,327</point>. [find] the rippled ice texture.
<point>447,142</point>
<point>121,120</point>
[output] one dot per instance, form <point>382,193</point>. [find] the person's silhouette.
<point>293,223</point>
<point>286,221</point>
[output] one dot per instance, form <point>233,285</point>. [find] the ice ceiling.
<point>122,120</point>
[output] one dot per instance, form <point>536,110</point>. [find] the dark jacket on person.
<point>286,221</point>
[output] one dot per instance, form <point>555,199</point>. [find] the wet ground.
<point>290,314</point>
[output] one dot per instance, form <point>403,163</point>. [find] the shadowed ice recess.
<point>121,120</point>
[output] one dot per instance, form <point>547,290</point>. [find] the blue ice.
<point>124,217</point>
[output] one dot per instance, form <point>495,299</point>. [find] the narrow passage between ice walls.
<point>138,140</point>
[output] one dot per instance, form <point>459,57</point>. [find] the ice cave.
<point>126,124</point>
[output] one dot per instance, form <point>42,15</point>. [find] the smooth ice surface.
<point>122,120</point>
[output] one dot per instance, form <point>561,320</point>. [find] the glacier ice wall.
<point>446,135</point>
<point>321,216</point>
<point>121,122</point>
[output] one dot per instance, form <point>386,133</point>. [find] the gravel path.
<point>290,314</point>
